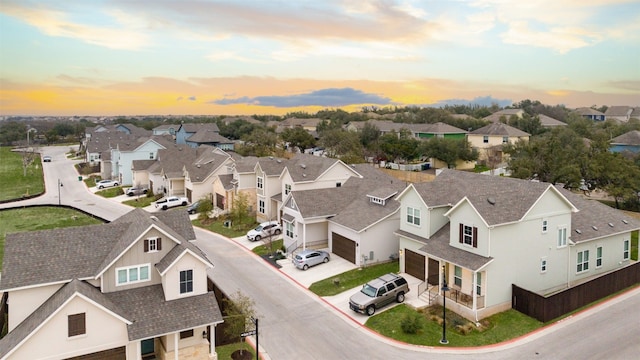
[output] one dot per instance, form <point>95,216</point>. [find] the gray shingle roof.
<point>629,138</point>
<point>499,129</point>
<point>193,128</point>
<point>306,167</point>
<point>513,198</point>
<point>153,316</point>
<point>272,166</point>
<point>548,121</point>
<point>595,220</point>
<point>59,255</point>
<point>438,247</point>
<point>588,111</point>
<point>349,204</point>
<point>53,303</point>
<point>618,111</point>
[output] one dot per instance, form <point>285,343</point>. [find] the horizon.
<point>202,58</point>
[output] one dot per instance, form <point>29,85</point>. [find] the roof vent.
<point>594,227</point>
<point>491,200</point>
<point>625,221</point>
<point>304,175</point>
<point>278,161</point>
<point>303,166</point>
<point>154,218</point>
<point>198,166</point>
<point>578,231</point>
<point>611,224</point>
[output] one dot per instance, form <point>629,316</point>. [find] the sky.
<point>237,57</point>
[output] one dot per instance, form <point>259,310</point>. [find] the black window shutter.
<point>475,237</point>
<point>159,244</point>
<point>146,245</point>
<point>461,235</point>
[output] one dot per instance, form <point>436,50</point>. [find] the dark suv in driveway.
<point>378,293</point>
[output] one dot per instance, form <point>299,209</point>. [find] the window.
<point>505,139</point>
<point>132,274</point>
<point>545,225</point>
<point>338,184</point>
<point>261,206</point>
<point>289,229</point>
<point>413,216</point>
<point>457,276</point>
<point>77,324</point>
<point>259,184</point>
<point>583,261</point>
<point>186,334</point>
<point>468,235</point>
<point>186,281</point>
<point>598,256</point>
<point>151,156</point>
<point>543,265</point>
<point>287,189</point>
<point>562,237</point>
<point>485,139</point>
<point>152,244</point>
<point>478,284</point>
<point>625,250</point>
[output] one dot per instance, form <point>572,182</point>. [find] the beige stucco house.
<point>484,234</point>
<point>132,288</point>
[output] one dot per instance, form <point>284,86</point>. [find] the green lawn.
<point>224,352</point>
<point>39,218</point>
<point>494,329</point>
<point>15,184</point>
<point>217,226</point>
<point>350,279</point>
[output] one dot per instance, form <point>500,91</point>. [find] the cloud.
<point>332,97</point>
<point>54,22</point>
<point>191,98</point>
<point>480,100</point>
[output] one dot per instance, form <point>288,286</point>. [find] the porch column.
<point>304,236</point>
<point>175,346</point>
<point>473,290</point>
<point>212,342</point>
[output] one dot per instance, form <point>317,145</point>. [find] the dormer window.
<point>413,216</point>
<point>152,244</point>
<point>186,281</point>
<point>468,235</point>
<point>259,182</point>
<point>376,200</point>
<point>287,189</point>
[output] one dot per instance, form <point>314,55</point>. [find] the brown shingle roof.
<point>499,129</point>
<point>629,138</point>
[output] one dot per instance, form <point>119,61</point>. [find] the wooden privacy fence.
<point>546,308</point>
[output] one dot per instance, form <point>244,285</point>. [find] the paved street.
<point>296,324</point>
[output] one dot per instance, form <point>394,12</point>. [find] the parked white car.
<point>263,230</point>
<point>171,201</point>
<point>106,183</point>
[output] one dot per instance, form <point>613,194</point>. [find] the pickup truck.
<point>171,201</point>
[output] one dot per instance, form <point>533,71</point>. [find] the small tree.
<point>240,209</point>
<point>239,310</point>
<point>204,206</point>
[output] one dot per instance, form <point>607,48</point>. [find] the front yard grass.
<point>39,218</point>
<point>350,279</point>
<point>140,201</point>
<point>494,329</point>
<point>111,192</point>
<point>15,184</point>
<point>264,249</point>
<point>217,226</point>
<point>224,352</point>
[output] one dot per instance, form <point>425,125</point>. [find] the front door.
<point>147,347</point>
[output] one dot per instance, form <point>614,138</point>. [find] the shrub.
<point>465,329</point>
<point>411,323</point>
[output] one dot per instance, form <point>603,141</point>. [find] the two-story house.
<point>488,140</point>
<point>130,289</point>
<point>194,135</point>
<point>484,234</point>
<point>591,114</point>
<point>200,175</point>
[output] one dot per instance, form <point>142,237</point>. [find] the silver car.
<point>308,258</point>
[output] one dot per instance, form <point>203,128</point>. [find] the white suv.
<point>269,228</point>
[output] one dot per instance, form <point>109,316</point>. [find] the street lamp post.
<point>445,288</point>
<point>59,186</point>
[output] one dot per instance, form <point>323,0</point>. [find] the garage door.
<point>414,264</point>
<point>112,354</point>
<point>344,247</point>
